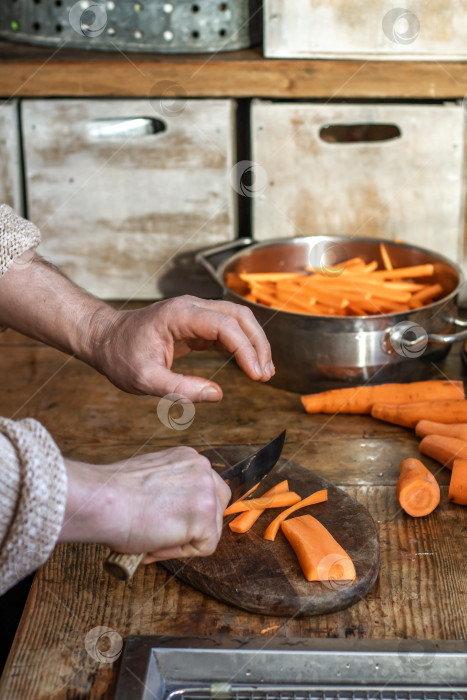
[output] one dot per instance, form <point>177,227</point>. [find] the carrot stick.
<point>278,501</point>
<point>320,556</point>
<point>273,527</point>
<point>443,449</point>
<point>409,414</point>
<point>268,276</point>
<point>429,427</point>
<point>458,485</point>
<point>243,522</point>
<point>360,399</point>
<point>417,489</point>
<point>385,257</point>
<point>413,271</point>
<point>426,295</point>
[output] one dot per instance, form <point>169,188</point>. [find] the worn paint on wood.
<point>410,187</point>
<point>421,559</point>
<point>117,211</point>
<point>357,29</point>
<point>10,159</point>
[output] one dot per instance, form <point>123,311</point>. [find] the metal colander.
<point>119,25</point>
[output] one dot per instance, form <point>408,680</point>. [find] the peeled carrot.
<point>385,257</point>
<point>280,500</point>
<point>443,449</point>
<point>409,414</point>
<point>273,527</point>
<point>429,427</point>
<point>360,399</point>
<point>320,556</point>
<point>243,522</point>
<point>413,271</point>
<point>417,489</point>
<point>458,485</point>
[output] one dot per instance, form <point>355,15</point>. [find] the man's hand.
<point>135,349</point>
<point>169,504</point>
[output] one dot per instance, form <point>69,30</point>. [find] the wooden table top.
<point>420,591</point>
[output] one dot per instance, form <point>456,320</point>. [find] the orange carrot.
<point>413,271</point>
<point>458,485</point>
<point>443,449</point>
<point>360,399</point>
<point>417,489</point>
<point>243,522</point>
<point>409,414</point>
<point>272,628</point>
<point>385,257</point>
<point>429,427</point>
<point>273,527</point>
<point>320,556</point>
<point>426,295</point>
<point>280,500</point>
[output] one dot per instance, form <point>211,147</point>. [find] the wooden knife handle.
<point>122,566</point>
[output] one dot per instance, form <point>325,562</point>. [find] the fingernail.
<point>209,394</point>
<point>258,370</point>
<point>270,369</point>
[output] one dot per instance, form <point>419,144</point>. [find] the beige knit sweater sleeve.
<point>33,482</point>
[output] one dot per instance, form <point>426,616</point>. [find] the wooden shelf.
<point>27,71</point>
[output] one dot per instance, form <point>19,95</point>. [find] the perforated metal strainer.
<point>119,25</point>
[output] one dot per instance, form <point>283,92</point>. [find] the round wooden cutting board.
<point>265,577</point>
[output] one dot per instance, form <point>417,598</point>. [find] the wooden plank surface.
<point>27,71</point>
<point>420,591</point>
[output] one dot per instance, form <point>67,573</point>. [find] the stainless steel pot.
<point>314,352</point>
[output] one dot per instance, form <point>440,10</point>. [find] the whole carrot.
<point>458,485</point>
<point>443,449</point>
<point>409,414</point>
<point>430,427</point>
<point>360,399</point>
<point>417,489</point>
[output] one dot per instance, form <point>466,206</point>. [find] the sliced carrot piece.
<point>243,522</point>
<point>458,486</point>
<point>413,271</point>
<point>443,449</point>
<point>280,500</point>
<point>417,489</point>
<point>430,427</point>
<point>320,556</point>
<point>273,527</point>
<point>385,257</point>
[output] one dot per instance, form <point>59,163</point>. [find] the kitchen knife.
<point>240,478</point>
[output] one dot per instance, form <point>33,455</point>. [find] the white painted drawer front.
<point>10,160</point>
<point>379,29</point>
<point>409,187</point>
<point>116,204</point>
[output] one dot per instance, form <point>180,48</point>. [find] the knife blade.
<point>240,478</point>
<point>250,471</point>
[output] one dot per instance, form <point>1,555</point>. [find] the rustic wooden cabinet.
<point>378,170</point>
<point>120,188</point>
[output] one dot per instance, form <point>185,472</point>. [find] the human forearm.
<point>37,300</point>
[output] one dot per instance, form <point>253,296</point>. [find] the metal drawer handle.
<point>124,127</point>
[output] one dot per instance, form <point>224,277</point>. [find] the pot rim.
<point>277,242</point>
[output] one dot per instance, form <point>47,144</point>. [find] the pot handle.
<point>411,339</point>
<point>203,256</point>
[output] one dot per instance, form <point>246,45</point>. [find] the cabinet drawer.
<point>359,29</point>
<point>120,188</point>
<point>10,159</point>
<point>409,186</point>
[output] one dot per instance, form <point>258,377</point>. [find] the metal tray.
<point>174,668</point>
